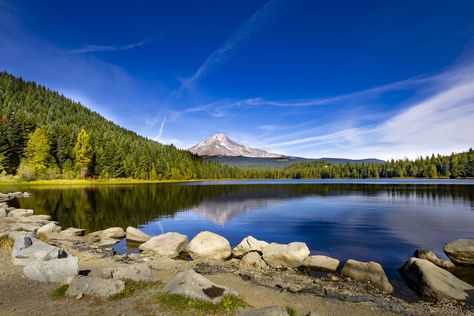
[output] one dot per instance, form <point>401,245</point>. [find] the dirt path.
<point>20,296</point>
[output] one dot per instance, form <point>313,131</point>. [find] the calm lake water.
<point>380,220</point>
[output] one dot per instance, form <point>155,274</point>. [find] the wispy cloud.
<point>162,126</point>
<point>440,123</point>
<point>108,48</point>
<point>266,14</point>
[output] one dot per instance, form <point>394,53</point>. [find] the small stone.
<point>72,232</point>
<point>136,235</point>
<point>247,245</point>
<point>79,296</point>
<point>23,227</point>
<point>18,212</point>
<point>460,251</point>
<point>49,228</point>
<point>94,286</point>
<point>254,259</point>
<point>135,272</point>
<point>196,286</point>
<point>108,242</point>
<point>322,263</point>
<point>367,271</point>
<point>113,232</point>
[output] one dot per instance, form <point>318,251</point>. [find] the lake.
<point>379,220</point>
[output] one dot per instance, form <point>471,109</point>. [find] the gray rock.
<point>367,272</point>
<point>196,286</point>
<point>247,245</point>
<point>49,228</point>
<point>168,245</point>
<point>322,263</point>
<point>431,282</point>
<point>54,270</point>
<point>136,235</point>
<point>23,227</point>
<point>285,256</point>
<point>135,272</point>
<point>460,251</point>
<point>265,311</point>
<point>20,235</point>
<point>431,257</point>
<point>26,194</point>
<point>26,250</point>
<point>209,246</point>
<point>94,286</point>
<point>108,242</point>
<point>254,259</point>
<point>3,212</point>
<point>72,232</point>
<point>113,232</point>
<point>19,212</point>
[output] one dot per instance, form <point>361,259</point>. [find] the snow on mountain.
<point>222,146</point>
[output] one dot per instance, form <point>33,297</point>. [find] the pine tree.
<point>83,152</point>
<point>38,159</point>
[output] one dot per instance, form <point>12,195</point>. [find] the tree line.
<point>45,135</point>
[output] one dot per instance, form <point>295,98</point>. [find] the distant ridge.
<point>222,149</point>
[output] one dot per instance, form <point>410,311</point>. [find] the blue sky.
<point>354,79</point>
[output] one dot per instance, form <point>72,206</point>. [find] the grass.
<point>61,182</point>
<point>130,288</point>
<point>291,311</point>
<point>6,243</point>
<point>60,291</point>
<point>183,305</point>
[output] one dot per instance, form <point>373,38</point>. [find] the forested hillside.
<point>39,131</point>
<point>44,135</point>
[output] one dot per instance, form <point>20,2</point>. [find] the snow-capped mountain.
<point>222,146</point>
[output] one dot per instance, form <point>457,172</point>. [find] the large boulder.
<point>49,228</point>
<point>26,250</point>
<point>322,263</point>
<point>460,251</point>
<point>253,259</point>
<point>94,286</point>
<point>291,255</point>
<point>367,272</point>
<point>431,282</point>
<point>73,232</point>
<point>196,286</point>
<point>113,232</point>
<point>431,257</point>
<point>19,212</point>
<point>247,245</point>
<point>135,272</point>
<point>54,270</point>
<point>136,235</point>
<point>168,245</point>
<point>210,246</point>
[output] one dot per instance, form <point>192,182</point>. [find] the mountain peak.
<point>222,146</point>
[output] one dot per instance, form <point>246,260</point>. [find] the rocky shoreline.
<point>90,267</point>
